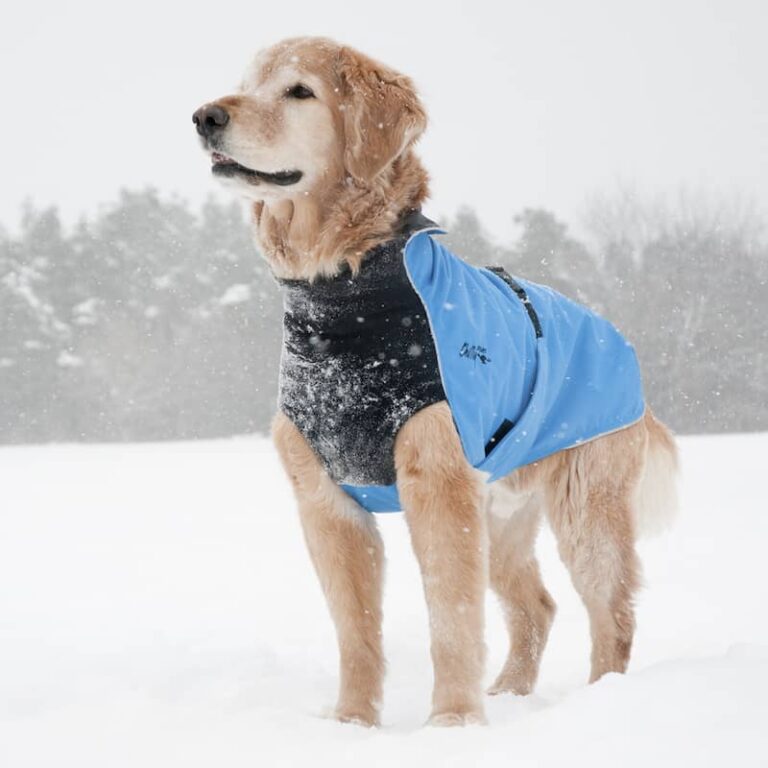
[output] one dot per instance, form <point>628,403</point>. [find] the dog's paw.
<point>512,685</point>
<point>364,719</point>
<point>454,719</point>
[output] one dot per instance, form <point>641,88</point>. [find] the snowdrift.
<point>157,608</point>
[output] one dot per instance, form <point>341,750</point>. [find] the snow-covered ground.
<point>157,608</point>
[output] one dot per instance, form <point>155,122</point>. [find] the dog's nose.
<point>210,119</point>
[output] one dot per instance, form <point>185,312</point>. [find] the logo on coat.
<point>474,352</point>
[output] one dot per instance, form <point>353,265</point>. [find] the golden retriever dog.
<point>320,139</point>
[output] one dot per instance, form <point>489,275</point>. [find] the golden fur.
<point>356,142</point>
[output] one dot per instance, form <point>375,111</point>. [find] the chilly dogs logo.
<point>474,352</point>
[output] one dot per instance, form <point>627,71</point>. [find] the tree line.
<point>152,321</point>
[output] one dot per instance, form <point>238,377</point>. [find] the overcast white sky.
<point>541,102</point>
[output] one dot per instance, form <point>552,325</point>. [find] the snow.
<point>236,294</point>
<point>157,608</point>
<point>68,360</point>
<point>84,313</point>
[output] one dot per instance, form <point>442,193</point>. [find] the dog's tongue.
<point>217,157</point>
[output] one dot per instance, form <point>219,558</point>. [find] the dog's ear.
<point>382,114</point>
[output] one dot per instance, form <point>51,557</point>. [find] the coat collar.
<point>410,222</point>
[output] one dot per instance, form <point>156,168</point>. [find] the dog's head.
<point>309,113</point>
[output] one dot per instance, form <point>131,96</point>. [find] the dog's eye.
<point>299,91</point>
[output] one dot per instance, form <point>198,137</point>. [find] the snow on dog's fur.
<point>320,138</point>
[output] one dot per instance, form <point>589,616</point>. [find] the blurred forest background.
<point>152,321</point>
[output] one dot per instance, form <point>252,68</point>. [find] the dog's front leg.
<point>443,500</point>
<point>348,555</point>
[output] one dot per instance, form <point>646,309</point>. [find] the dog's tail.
<point>655,501</point>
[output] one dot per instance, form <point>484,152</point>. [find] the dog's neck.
<point>317,234</point>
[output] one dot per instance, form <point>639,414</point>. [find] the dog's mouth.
<point>226,166</point>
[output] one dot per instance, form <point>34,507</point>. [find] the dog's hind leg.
<point>515,578</point>
<point>443,498</point>
<point>590,509</point>
<point>348,555</point>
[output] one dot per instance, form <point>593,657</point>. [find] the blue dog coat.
<point>526,371</point>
